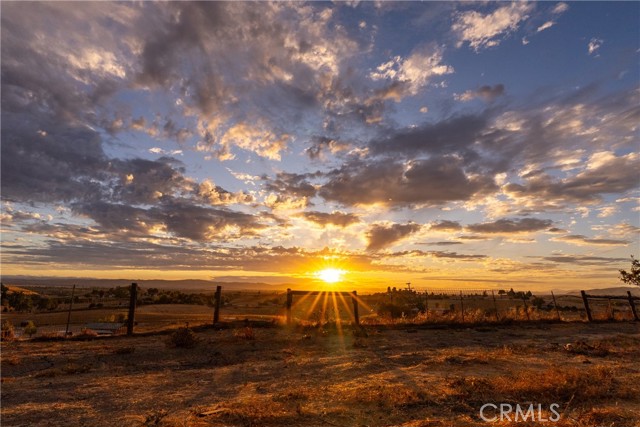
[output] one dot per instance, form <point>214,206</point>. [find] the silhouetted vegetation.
<point>631,277</point>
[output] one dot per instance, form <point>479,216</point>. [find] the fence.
<point>612,304</point>
<point>127,309</point>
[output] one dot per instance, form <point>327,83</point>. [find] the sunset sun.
<point>330,275</point>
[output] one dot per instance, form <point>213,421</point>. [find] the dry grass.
<point>318,377</point>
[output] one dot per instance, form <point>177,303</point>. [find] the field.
<point>274,376</point>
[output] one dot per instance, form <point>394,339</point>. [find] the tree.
<point>632,277</point>
<point>30,329</point>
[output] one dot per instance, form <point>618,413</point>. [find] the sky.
<point>473,144</point>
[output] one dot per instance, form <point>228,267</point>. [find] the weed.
<point>182,338</point>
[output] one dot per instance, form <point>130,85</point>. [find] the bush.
<point>245,333</point>
<point>30,329</point>
<point>87,334</point>
<point>183,338</point>
<point>8,332</point>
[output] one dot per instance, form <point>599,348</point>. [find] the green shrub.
<point>30,329</point>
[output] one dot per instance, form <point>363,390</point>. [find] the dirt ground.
<point>321,377</point>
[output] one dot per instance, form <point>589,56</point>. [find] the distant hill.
<point>227,283</point>
<point>613,291</point>
<point>203,285</point>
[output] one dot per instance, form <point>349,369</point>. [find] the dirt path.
<point>408,377</point>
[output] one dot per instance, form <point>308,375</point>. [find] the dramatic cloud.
<point>382,235</point>
<point>249,135</point>
<point>506,226</point>
<point>431,182</point>
<point>337,218</point>
<point>605,173</point>
<point>482,31</point>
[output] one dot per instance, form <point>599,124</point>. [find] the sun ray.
<point>313,305</point>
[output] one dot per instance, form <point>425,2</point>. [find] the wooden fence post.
<point>495,305</point>
<point>426,303</point>
<point>133,296</point>
<point>633,306</point>
<point>356,315</point>
<point>216,308</point>
<point>289,304</point>
<point>585,300</point>
<point>461,307</point>
<point>526,309</point>
<point>555,305</point>
<point>66,332</point>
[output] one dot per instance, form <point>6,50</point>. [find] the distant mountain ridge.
<point>614,291</point>
<point>190,284</point>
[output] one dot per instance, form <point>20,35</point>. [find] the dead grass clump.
<point>154,419</point>
<point>11,360</point>
<point>124,350</point>
<point>551,385</point>
<point>48,337</point>
<point>387,396</point>
<point>182,338</point>
<point>87,334</point>
<point>246,333</point>
<point>605,417</point>
<point>581,347</point>
<point>291,396</point>
<point>8,331</point>
<point>68,369</point>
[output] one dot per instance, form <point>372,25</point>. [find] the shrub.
<point>245,333</point>
<point>30,329</point>
<point>87,334</point>
<point>183,338</point>
<point>8,332</point>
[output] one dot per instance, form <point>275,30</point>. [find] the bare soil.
<point>327,377</point>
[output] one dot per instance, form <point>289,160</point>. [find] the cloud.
<point>217,195</point>
<point>583,260</point>
<point>60,163</point>
<point>560,8</point>
<point>438,180</point>
<point>158,150</point>
<point>446,243</point>
<point>445,225</point>
<point>507,226</point>
<point>411,74</point>
<point>487,93</point>
<point>336,218</point>
<point>321,145</point>
<point>382,235</point>
<point>482,31</point>
<point>604,173</point>
<point>545,26</point>
<point>580,240</point>
<point>594,45</point>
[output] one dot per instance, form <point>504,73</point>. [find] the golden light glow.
<point>330,275</point>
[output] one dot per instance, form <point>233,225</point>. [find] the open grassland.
<point>386,376</point>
